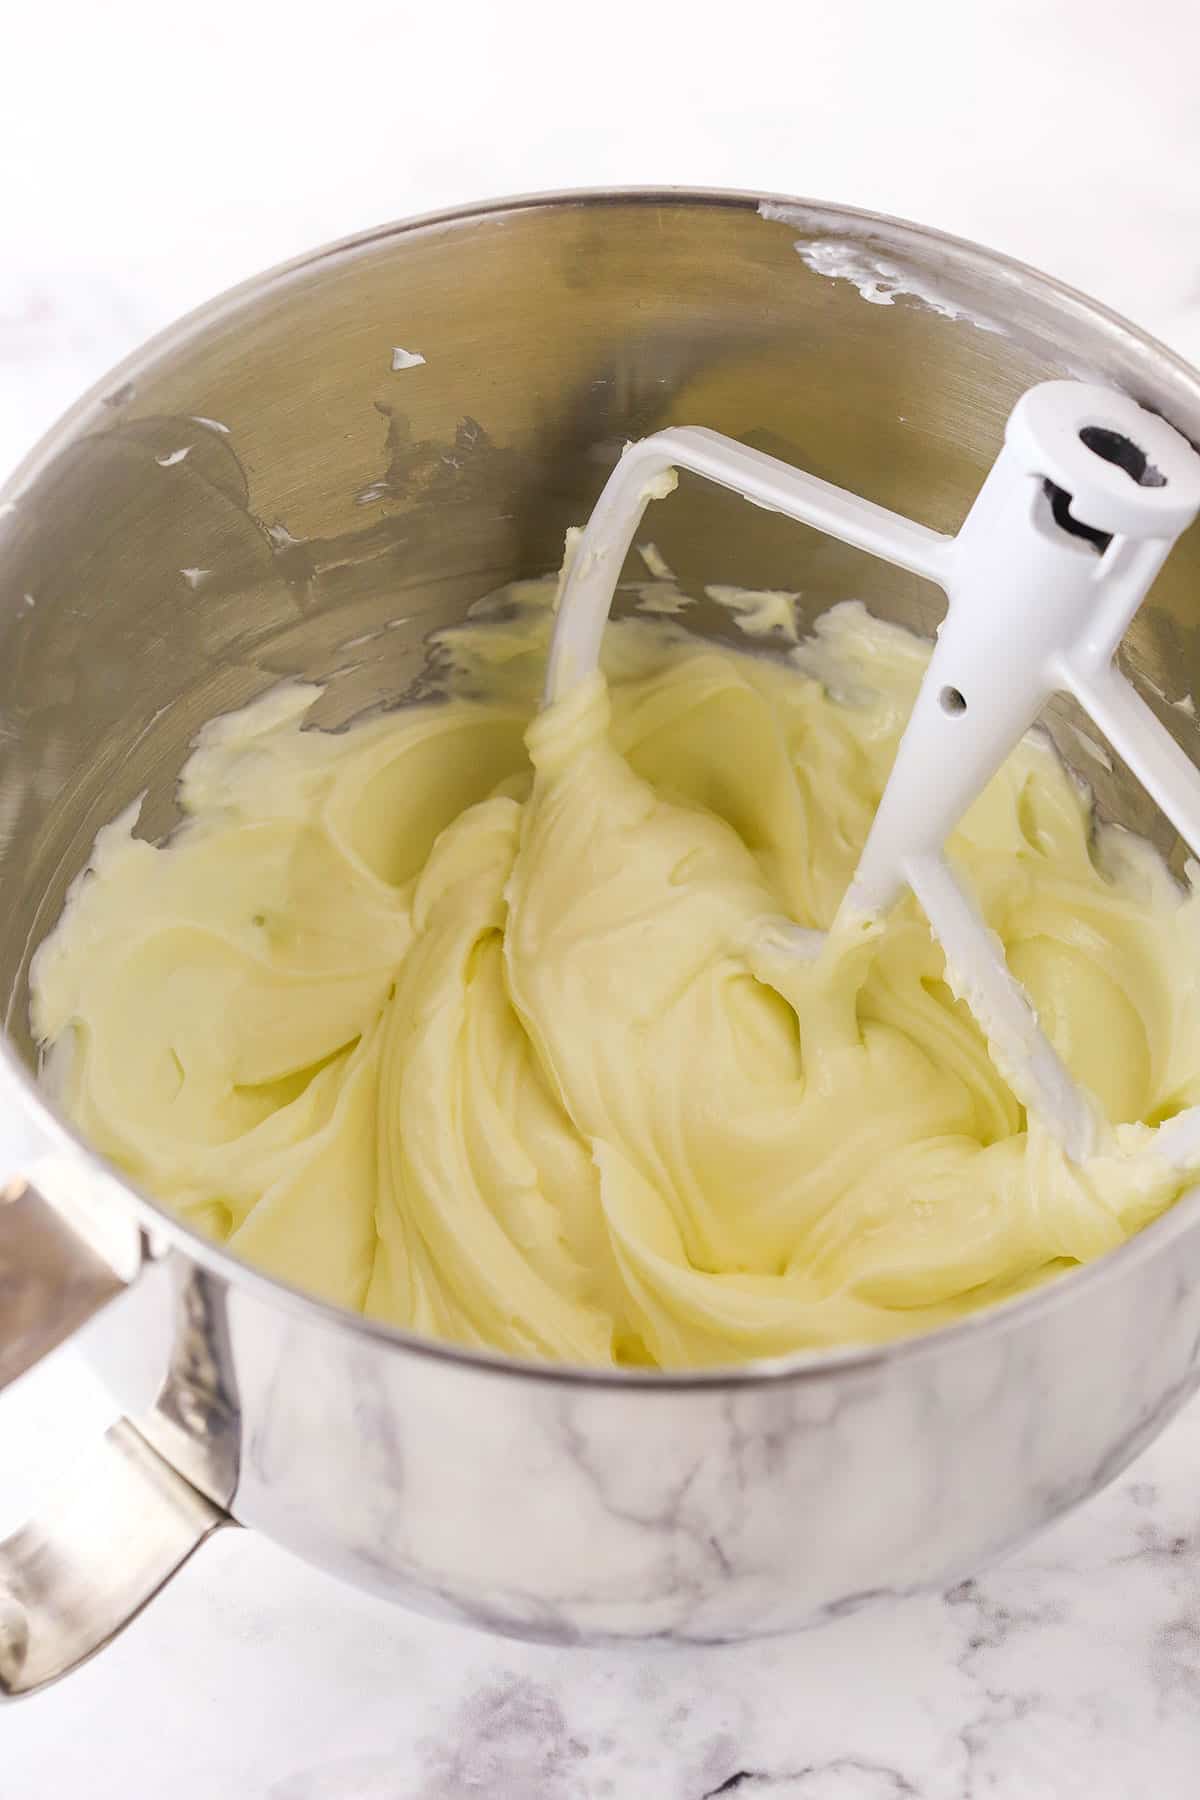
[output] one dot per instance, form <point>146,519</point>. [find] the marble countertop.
<point>152,180</point>
<point>1071,1672</point>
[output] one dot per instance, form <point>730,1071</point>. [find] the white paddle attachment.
<point>1067,533</point>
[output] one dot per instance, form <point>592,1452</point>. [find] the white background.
<point>149,156</point>
<point>153,155</point>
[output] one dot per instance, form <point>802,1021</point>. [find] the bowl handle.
<point>73,1576</point>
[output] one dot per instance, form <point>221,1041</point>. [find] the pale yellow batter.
<point>483,1022</point>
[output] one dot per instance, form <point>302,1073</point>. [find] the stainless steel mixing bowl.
<point>332,510</point>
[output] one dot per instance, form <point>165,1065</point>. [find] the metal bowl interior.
<point>333,510</point>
